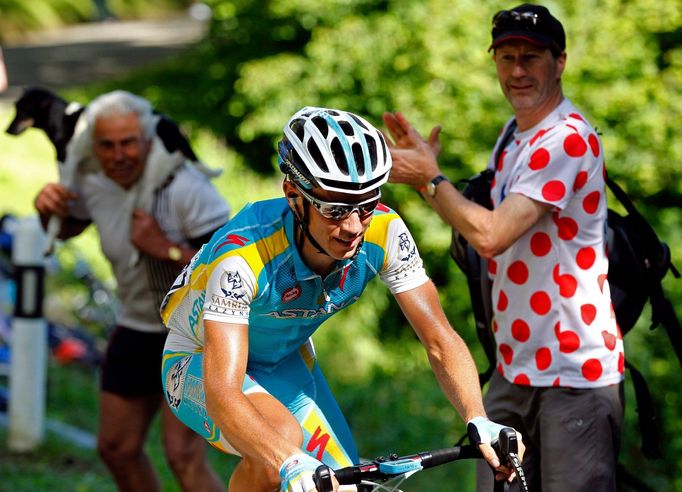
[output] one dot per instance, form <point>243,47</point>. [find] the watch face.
<point>174,253</point>
<point>431,189</point>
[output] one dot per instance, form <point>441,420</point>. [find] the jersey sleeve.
<point>559,159</point>
<point>199,205</point>
<point>403,267</point>
<point>229,291</point>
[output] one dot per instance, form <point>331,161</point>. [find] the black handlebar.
<point>383,469</point>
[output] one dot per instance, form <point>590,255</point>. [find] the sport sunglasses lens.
<point>506,19</point>
<point>341,212</point>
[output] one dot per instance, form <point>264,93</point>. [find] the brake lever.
<point>323,479</point>
<point>507,449</point>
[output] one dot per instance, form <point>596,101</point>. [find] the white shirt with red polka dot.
<point>554,324</point>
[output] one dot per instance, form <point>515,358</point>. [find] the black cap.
<point>531,23</point>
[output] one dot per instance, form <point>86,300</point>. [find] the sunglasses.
<point>341,211</point>
<point>510,19</point>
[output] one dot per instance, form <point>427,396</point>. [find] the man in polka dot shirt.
<point>560,354</point>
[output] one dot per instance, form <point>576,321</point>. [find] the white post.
<point>28,359</point>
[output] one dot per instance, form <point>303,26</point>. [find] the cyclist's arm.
<point>448,355</point>
<point>225,358</point>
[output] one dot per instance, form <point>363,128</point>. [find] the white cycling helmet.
<point>334,150</point>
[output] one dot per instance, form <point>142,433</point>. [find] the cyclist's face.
<point>529,76</point>
<point>339,238</point>
<point>120,147</point>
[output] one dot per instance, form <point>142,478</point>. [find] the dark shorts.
<point>132,363</point>
<point>572,436</point>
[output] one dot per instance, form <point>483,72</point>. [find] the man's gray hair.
<point>120,103</point>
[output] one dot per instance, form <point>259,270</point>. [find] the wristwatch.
<point>174,253</point>
<point>430,187</point>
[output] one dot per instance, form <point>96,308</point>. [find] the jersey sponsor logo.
<point>221,304</point>
<point>232,239</point>
<point>197,307</point>
<point>311,313</point>
<point>231,286</point>
<point>175,381</point>
<point>407,249</point>
<point>318,440</point>
<point>292,294</point>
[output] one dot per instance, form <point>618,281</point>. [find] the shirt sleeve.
<point>199,205</point>
<point>229,291</point>
<point>558,161</point>
<point>403,268</point>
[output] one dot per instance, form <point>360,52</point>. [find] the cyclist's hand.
<point>484,432</point>
<point>53,199</point>
<point>297,473</point>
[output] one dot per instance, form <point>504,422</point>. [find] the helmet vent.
<point>339,156</point>
<point>359,158</point>
<point>372,147</point>
<point>385,152</point>
<point>297,127</point>
<point>347,128</point>
<point>357,120</point>
<point>321,125</point>
<point>317,155</point>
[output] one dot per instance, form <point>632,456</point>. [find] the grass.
<point>60,466</point>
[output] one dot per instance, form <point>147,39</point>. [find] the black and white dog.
<point>67,130</point>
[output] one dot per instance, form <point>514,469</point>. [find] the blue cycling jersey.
<point>250,272</point>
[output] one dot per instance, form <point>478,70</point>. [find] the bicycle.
<point>387,474</point>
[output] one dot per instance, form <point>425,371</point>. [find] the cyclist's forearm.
<point>246,429</point>
<point>457,376</point>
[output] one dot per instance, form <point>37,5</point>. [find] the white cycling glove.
<point>483,430</point>
<point>297,473</point>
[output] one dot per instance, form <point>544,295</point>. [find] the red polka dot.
<point>594,144</point>
<point>538,135</point>
<point>567,286</point>
<point>569,341</point>
<point>588,312</point>
<point>575,146</point>
<point>500,162</point>
<point>568,228</point>
<point>601,279</point>
<point>555,273</point>
<point>520,330</point>
<point>603,171</point>
<point>585,257</point>
<point>576,116</point>
<point>518,272</point>
<point>507,353</point>
<point>493,183</point>
<point>540,244</point>
<point>543,358</point>
<point>592,369</point>
<point>580,180</point>
<point>495,326</point>
<point>553,191</point>
<point>540,303</point>
<point>492,266</point>
<point>609,339</point>
<point>500,369</point>
<point>556,382</point>
<point>591,202</point>
<point>522,379</point>
<point>621,363</point>
<point>502,301</point>
<point>539,159</point>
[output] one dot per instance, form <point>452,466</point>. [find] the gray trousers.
<point>572,436</point>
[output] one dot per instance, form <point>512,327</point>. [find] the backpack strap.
<point>648,423</point>
<point>480,289</point>
<point>662,311</point>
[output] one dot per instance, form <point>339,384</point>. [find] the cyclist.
<point>239,366</point>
